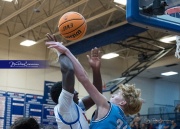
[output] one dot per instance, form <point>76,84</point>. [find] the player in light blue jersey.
<point>109,115</point>
<point>126,101</point>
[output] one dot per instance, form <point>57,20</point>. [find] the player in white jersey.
<point>69,111</point>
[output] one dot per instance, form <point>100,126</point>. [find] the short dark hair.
<point>25,123</point>
<point>56,91</point>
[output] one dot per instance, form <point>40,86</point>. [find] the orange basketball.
<point>72,26</point>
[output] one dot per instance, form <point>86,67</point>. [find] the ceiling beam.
<point>2,9</point>
<point>101,14</point>
<point>18,11</point>
<point>49,18</point>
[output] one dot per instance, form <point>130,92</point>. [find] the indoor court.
<point>142,35</point>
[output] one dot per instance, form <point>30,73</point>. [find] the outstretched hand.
<point>51,37</point>
<point>52,43</point>
<point>95,58</point>
<point>57,45</point>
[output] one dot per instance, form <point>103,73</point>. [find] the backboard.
<point>160,15</point>
<point>113,84</point>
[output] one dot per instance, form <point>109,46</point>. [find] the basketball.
<point>72,26</point>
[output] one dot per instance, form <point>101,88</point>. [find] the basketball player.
<point>69,114</point>
<point>25,123</point>
<point>109,115</point>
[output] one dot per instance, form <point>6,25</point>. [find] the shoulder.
<point>115,107</point>
<point>56,110</point>
<point>55,107</point>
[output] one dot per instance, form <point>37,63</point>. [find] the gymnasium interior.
<point>132,30</point>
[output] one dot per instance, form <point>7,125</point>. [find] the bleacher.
<point>159,111</point>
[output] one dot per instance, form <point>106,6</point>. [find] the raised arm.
<point>67,69</point>
<point>97,97</point>
<point>94,60</point>
<point>67,73</point>
<point>95,63</point>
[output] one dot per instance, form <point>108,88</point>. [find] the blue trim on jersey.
<point>104,116</point>
<point>70,123</point>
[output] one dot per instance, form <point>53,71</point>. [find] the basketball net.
<point>177,53</point>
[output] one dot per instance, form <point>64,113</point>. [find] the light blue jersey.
<point>114,119</point>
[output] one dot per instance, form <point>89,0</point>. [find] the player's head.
<point>56,91</point>
<point>128,98</point>
<point>25,123</point>
<point>160,121</point>
<point>173,122</point>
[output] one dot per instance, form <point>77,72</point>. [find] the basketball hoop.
<point>177,53</point>
<point>175,12</point>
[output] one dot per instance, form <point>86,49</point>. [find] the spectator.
<point>136,125</point>
<point>155,124</point>
<point>174,125</point>
<point>177,108</point>
<point>160,125</point>
<point>148,124</point>
<point>137,118</point>
<point>129,119</point>
<point>25,123</point>
<point>167,124</point>
<point>143,126</point>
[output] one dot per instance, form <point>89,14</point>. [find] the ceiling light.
<point>169,73</point>
<point>123,2</point>
<point>110,56</point>
<point>27,43</point>
<point>168,39</point>
<point>8,0</point>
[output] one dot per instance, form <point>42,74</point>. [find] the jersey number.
<point>120,124</point>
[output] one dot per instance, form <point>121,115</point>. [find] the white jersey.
<point>69,115</point>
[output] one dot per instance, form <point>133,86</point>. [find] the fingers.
<point>55,39</point>
<point>50,43</point>
<point>99,54</point>
<point>88,57</point>
<point>95,52</point>
<point>52,46</point>
<point>53,43</point>
<point>51,37</point>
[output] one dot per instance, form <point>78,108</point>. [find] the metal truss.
<point>146,56</point>
<point>33,19</point>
